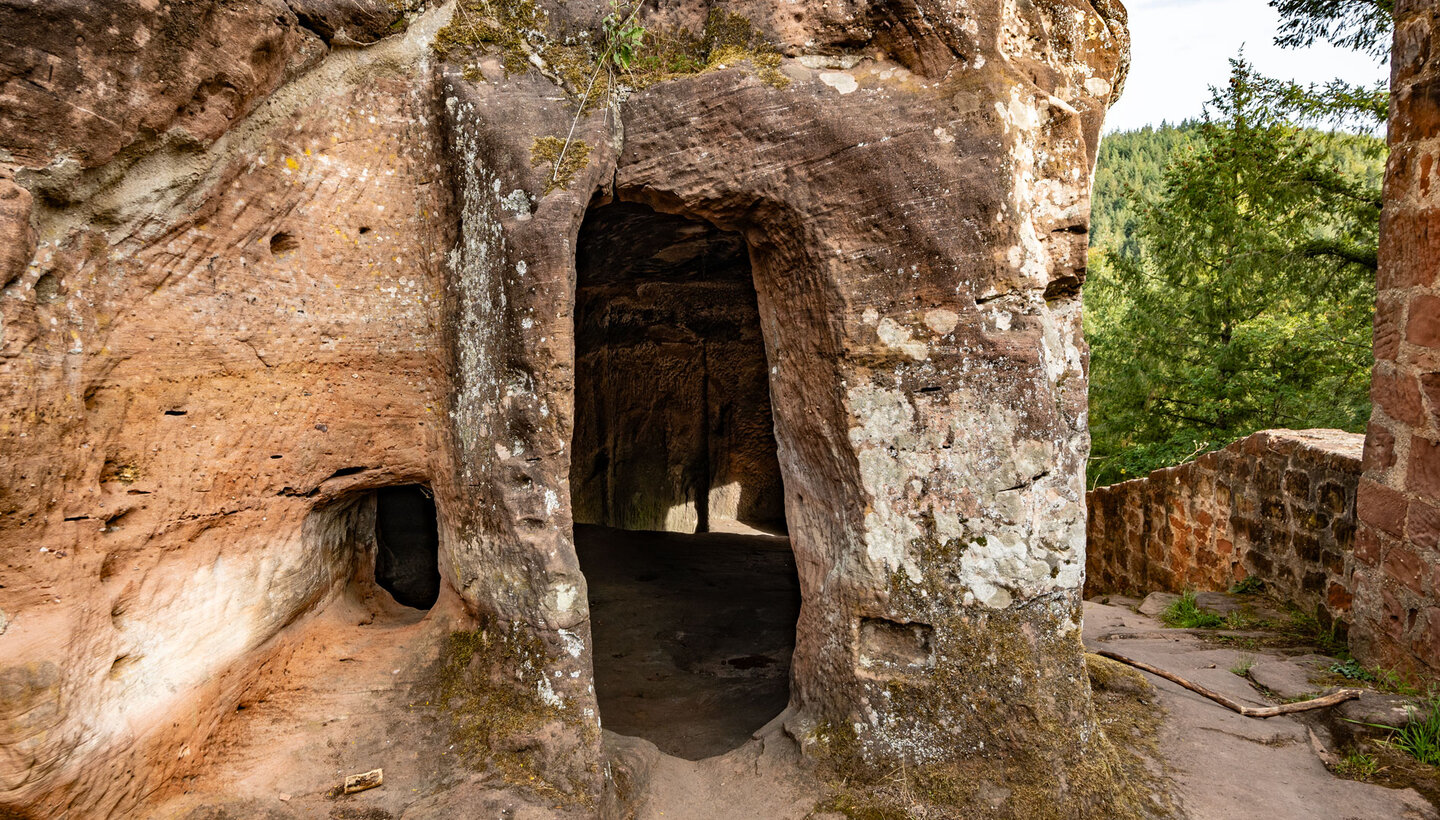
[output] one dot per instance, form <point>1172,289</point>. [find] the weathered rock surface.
<point>1228,766</point>
<point>1156,603</point>
<point>253,273</point>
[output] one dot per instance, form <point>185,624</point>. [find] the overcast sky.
<point>1180,47</point>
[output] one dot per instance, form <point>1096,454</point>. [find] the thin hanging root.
<point>1248,711</point>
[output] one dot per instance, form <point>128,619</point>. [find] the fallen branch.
<point>1248,711</point>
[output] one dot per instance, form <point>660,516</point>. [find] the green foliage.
<point>1352,670</point>
<point>1419,738</point>
<point>1336,103</point>
<point>1130,171</point>
<point>1357,765</point>
<point>623,36</point>
<point>1249,585</point>
<point>1385,680</point>
<point>1362,25</point>
<point>1184,613</point>
<point>1233,292</point>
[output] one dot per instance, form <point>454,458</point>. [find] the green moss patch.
<point>1009,688</point>
<point>517,30</point>
<point>1012,786</point>
<point>726,41</point>
<point>565,162</point>
<point>501,26</point>
<point>484,688</point>
<point>1113,779</point>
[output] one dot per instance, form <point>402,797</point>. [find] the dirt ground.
<point>692,642</point>
<point>693,634</point>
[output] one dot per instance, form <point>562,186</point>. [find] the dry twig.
<point>1248,711</point>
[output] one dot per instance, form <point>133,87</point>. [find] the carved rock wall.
<point>673,427</point>
<point>1397,621</point>
<point>211,345</point>
<point>278,271</point>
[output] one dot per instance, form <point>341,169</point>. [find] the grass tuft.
<point>1243,665</point>
<point>1184,613</point>
<point>1420,738</point>
<point>1357,765</point>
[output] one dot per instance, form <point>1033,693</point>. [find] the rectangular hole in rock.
<point>676,487</point>
<point>407,542</point>
<point>890,648</point>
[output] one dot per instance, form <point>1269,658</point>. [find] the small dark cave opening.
<point>407,545</point>
<point>676,486</point>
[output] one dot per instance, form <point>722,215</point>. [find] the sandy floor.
<point>693,634</point>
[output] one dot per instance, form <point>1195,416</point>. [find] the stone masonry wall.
<point>1279,505</point>
<point>1397,548</point>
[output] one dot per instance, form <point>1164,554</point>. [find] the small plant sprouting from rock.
<point>1185,613</point>
<point>1352,670</point>
<point>1243,664</point>
<point>1357,765</point>
<point>623,36</point>
<point>1239,619</point>
<point>1249,585</point>
<point>1385,680</point>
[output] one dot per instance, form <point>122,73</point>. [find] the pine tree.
<point>1245,301</point>
<point>1362,25</point>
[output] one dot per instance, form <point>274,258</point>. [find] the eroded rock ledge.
<point>263,259</point>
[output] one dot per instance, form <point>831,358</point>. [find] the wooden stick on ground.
<point>1248,711</point>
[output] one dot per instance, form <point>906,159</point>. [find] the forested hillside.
<point>1132,165</point>
<point>1130,169</point>
<point>1231,281</point>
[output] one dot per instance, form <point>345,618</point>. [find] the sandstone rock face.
<point>199,361</point>
<point>254,272</point>
<point>1398,544</point>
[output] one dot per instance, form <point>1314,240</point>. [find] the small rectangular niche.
<point>889,648</point>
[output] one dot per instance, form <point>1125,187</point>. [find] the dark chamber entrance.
<point>407,539</point>
<point>675,483</point>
